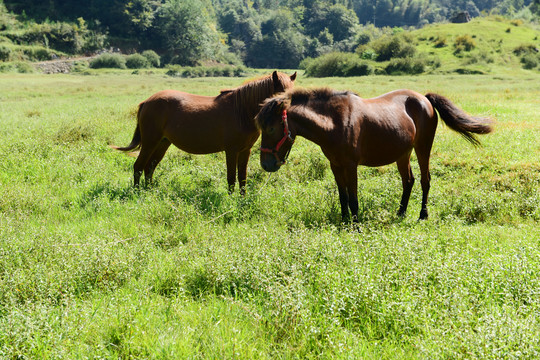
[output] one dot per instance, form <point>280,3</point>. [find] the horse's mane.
<point>248,97</point>
<point>299,96</point>
<point>296,97</point>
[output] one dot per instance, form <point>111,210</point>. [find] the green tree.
<point>184,29</point>
<point>339,21</point>
<point>282,44</point>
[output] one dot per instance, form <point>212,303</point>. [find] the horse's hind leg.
<point>243,159</point>
<point>425,181</point>
<point>155,159</point>
<point>232,159</point>
<point>407,180</point>
<point>148,147</point>
<point>423,153</point>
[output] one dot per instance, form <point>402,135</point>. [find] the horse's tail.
<point>459,121</point>
<point>136,141</point>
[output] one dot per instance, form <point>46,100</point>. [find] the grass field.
<point>91,268</point>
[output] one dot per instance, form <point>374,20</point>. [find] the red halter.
<point>286,135</point>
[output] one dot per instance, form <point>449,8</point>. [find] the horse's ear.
<point>275,77</point>
<point>293,76</point>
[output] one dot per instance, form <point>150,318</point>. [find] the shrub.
<point>60,36</point>
<point>529,61</point>
<point>337,64</point>
<point>38,53</point>
<point>516,22</point>
<point>405,66</point>
<point>152,57</point>
<point>24,68</point>
<point>205,71</point>
<point>390,47</point>
<point>464,43</point>
<point>5,53</point>
<point>440,42</point>
<point>115,61</point>
<point>524,49</point>
<point>136,61</point>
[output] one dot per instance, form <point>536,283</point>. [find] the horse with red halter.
<point>202,125</point>
<point>352,131</point>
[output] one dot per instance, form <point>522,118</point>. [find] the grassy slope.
<point>91,268</point>
<point>495,40</point>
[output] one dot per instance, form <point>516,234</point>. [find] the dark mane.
<point>301,96</point>
<point>265,115</point>
<point>249,96</point>
<point>294,97</point>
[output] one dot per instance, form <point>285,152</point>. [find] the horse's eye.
<point>271,130</point>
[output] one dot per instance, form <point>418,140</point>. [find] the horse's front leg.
<point>232,159</point>
<point>352,189</point>
<point>339,175</point>
<point>243,158</point>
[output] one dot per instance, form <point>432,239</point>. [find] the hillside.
<point>258,34</point>
<point>497,44</point>
<point>482,46</point>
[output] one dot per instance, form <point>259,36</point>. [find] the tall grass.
<point>92,268</point>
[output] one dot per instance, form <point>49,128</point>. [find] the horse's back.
<point>387,125</point>
<point>180,99</point>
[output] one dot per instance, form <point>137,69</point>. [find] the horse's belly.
<point>384,153</point>
<point>197,141</point>
<point>198,146</point>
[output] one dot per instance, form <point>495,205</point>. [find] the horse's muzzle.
<point>270,166</point>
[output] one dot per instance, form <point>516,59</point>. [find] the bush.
<point>24,68</point>
<point>206,71</point>
<point>152,57</point>
<point>525,49</point>
<point>336,64</point>
<point>136,61</point>
<point>440,42</point>
<point>114,61</point>
<point>529,61</point>
<point>59,36</point>
<point>390,47</point>
<point>37,53</point>
<point>464,43</point>
<point>405,66</point>
<point>5,53</point>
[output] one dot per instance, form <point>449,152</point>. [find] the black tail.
<point>459,121</point>
<point>136,141</point>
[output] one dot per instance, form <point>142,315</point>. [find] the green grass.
<point>91,268</point>
<point>494,40</point>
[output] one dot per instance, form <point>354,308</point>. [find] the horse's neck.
<point>311,125</point>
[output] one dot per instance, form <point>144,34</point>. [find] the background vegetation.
<point>261,33</point>
<point>91,268</point>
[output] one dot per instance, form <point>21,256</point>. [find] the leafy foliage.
<point>337,64</point>
<point>136,61</point>
<point>259,33</point>
<point>114,61</point>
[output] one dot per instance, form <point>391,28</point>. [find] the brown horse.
<point>352,131</point>
<point>202,125</point>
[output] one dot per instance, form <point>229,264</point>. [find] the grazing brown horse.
<point>202,125</point>
<point>352,131</point>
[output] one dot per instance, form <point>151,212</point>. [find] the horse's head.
<point>282,82</point>
<point>277,140</point>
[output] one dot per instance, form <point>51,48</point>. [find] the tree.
<point>184,31</point>
<point>337,19</point>
<point>282,44</point>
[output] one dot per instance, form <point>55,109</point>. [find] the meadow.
<point>91,268</point>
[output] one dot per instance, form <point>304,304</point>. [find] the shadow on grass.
<point>108,191</point>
